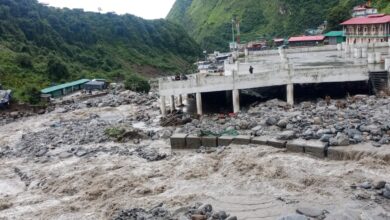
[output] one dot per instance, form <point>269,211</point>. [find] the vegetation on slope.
<point>209,22</point>
<point>41,45</point>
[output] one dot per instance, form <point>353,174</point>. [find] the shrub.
<point>137,83</point>
<point>24,61</point>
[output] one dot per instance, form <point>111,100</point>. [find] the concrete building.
<point>64,89</point>
<point>335,37</point>
<point>306,41</point>
<point>5,97</point>
<point>364,10</point>
<point>365,30</point>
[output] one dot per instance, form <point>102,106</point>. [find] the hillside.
<point>40,45</point>
<point>209,22</point>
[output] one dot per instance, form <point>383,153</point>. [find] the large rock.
<point>286,135</point>
<point>294,217</point>
<point>310,212</point>
<point>342,139</point>
<point>271,121</point>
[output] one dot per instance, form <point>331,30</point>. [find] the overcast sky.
<point>148,9</point>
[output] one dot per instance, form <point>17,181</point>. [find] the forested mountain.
<point>40,45</point>
<point>209,21</point>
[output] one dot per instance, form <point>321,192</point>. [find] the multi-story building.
<point>364,10</point>
<point>367,29</point>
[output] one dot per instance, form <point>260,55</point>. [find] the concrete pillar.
<point>357,53</point>
<point>180,99</point>
<point>290,94</point>
<point>236,100</point>
<point>347,49</point>
<point>343,45</point>
<point>339,47</point>
<point>163,106</point>
<point>378,57</point>
<point>172,103</point>
<point>387,63</point>
<point>364,52</point>
<point>371,58</point>
<point>199,103</point>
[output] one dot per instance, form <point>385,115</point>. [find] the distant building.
<point>278,42</point>
<point>335,37</point>
<point>372,28</point>
<point>64,89</point>
<point>5,98</point>
<point>306,41</point>
<point>97,84</point>
<point>364,10</point>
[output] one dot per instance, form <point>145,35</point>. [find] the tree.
<point>57,70</point>
<point>137,84</point>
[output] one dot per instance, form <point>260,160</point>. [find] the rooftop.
<point>334,34</point>
<point>307,38</point>
<point>371,19</point>
<point>63,86</point>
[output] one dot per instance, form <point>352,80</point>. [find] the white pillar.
<point>180,99</point>
<point>339,48</point>
<point>163,106</point>
<point>387,63</point>
<point>378,57</point>
<point>357,53</point>
<point>290,94</point>
<point>199,103</point>
<point>371,58</point>
<point>364,52</point>
<point>172,103</point>
<point>236,100</point>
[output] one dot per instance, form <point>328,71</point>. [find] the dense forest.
<point>209,21</point>
<point>41,45</point>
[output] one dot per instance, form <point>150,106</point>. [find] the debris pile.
<point>198,211</point>
<point>357,119</point>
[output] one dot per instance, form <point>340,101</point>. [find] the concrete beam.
<point>260,140</point>
<point>225,140</point>
<point>199,107</point>
<point>242,140</point>
<point>193,142</point>
<point>178,141</point>
<point>236,100</point>
<point>209,141</point>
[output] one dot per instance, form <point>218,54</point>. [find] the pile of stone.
<point>371,189</point>
<point>357,119</point>
<point>110,100</point>
<point>196,212</point>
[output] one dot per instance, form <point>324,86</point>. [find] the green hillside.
<point>40,45</point>
<point>209,21</point>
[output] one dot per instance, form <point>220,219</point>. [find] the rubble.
<point>357,119</point>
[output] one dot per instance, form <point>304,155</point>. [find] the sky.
<point>148,9</point>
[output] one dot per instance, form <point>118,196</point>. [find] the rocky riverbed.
<point>113,161</point>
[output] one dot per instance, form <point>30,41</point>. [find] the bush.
<point>57,70</point>
<point>24,61</point>
<point>137,83</point>
<point>30,94</point>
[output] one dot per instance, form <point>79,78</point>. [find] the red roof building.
<point>306,40</point>
<point>372,28</point>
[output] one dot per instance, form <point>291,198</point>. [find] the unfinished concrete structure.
<point>311,65</point>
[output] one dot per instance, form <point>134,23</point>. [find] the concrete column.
<point>290,94</point>
<point>339,47</point>
<point>199,103</point>
<point>180,99</point>
<point>387,63</point>
<point>236,100</point>
<point>163,106</point>
<point>343,45</point>
<point>378,57</point>
<point>371,58</point>
<point>357,53</point>
<point>172,103</point>
<point>364,52</point>
<point>347,49</point>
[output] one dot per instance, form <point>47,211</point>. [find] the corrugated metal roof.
<point>372,19</point>
<point>334,34</point>
<point>307,38</point>
<point>63,86</point>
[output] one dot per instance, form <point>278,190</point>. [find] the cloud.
<point>148,9</point>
